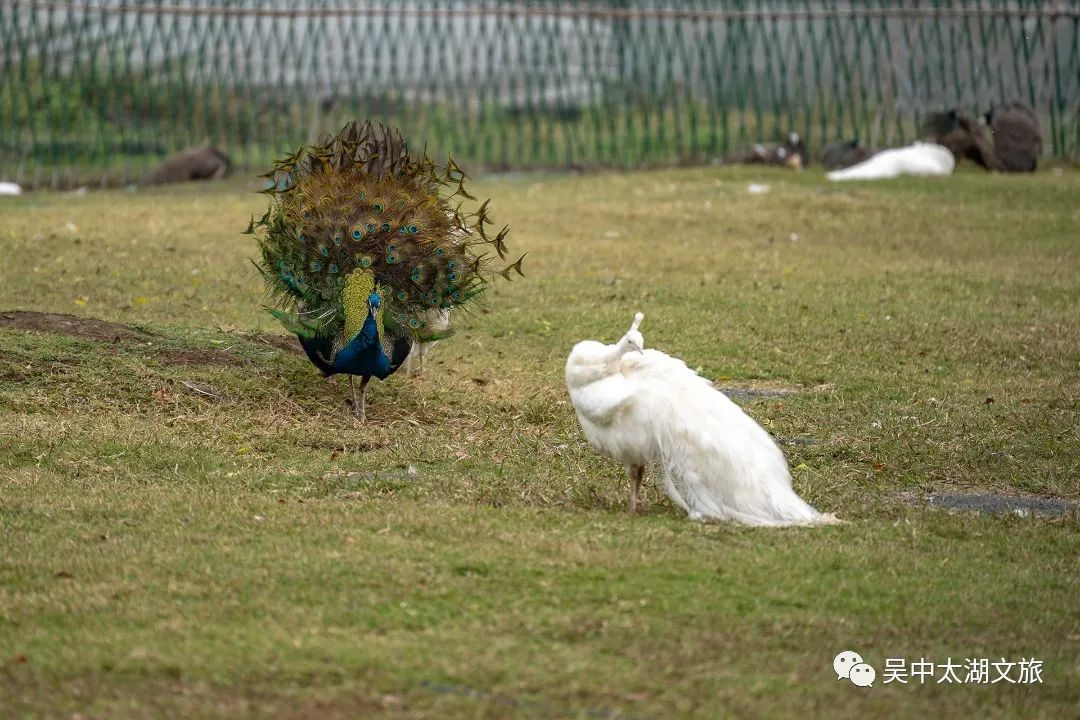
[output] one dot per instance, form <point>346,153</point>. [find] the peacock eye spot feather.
<point>386,227</point>
<point>324,251</point>
<point>363,260</point>
<point>333,268</point>
<point>451,265</point>
<point>414,323</point>
<point>413,229</point>
<point>377,207</point>
<point>439,252</point>
<point>391,248</point>
<point>338,240</point>
<point>452,277</point>
<point>316,265</point>
<point>403,230</point>
<point>302,237</point>
<point>370,227</point>
<point>357,234</point>
<point>402,296</point>
<point>391,258</point>
<point>456,295</point>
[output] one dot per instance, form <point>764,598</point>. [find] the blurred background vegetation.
<point>98,91</point>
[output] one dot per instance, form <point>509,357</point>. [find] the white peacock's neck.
<point>620,348</point>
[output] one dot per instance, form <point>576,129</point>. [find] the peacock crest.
<point>357,214</point>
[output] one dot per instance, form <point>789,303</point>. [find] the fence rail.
<point>98,91</point>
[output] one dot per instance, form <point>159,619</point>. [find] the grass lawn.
<point>194,526</point>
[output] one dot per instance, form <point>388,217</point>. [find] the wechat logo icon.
<point>849,665</point>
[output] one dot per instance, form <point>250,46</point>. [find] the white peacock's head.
<point>633,337</point>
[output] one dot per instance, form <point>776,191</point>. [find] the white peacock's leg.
<point>417,358</point>
<point>635,472</point>
<point>352,391</point>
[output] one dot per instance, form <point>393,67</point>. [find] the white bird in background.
<point>641,406</point>
<point>916,159</point>
<point>438,321</point>
<point>10,188</point>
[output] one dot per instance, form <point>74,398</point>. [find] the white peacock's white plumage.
<point>438,321</point>
<point>916,159</point>
<point>641,407</point>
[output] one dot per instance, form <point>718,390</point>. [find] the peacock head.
<point>633,340</point>
<point>374,302</point>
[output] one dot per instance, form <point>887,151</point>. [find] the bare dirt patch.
<point>754,389</point>
<point>990,504</point>
<point>118,333</point>
<point>287,343</point>
<point>64,324</point>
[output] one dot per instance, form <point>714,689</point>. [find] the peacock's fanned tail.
<point>360,200</point>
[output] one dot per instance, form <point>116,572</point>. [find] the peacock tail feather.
<point>357,213</point>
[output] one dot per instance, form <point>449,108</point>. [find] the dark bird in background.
<point>1017,139</point>
<point>791,153</point>
<point>963,135</point>
<point>196,163</point>
<point>1009,140</point>
<point>845,153</point>
<point>364,255</point>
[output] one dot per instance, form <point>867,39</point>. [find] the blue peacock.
<point>365,255</point>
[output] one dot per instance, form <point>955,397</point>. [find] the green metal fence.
<point>99,90</point>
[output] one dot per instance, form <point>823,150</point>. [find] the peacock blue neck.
<point>363,355</point>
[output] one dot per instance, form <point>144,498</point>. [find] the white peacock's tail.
<point>719,464</point>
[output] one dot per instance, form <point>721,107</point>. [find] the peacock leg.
<point>358,403</point>
<point>360,409</point>
<point>635,472</point>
